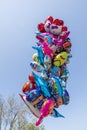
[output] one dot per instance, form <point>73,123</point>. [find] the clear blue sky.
<point>18,23</point>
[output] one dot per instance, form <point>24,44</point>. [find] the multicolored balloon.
<point>47,91</point>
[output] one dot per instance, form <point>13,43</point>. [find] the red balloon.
<point>61,22</point>
<point>41,27</point>
<point>64,28</point>
<point>58,22</point>
<point>28,86</point>
<point>31,78</point>
<point>50,18</point>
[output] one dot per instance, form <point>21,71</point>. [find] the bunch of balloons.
<point>46,89</point>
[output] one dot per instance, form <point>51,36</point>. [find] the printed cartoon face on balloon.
<point>56,27</point>
<point>47,62</point>
<point>53,26</point>
<point>47,26</point>
<point>35,57</point>
<point>54,88</point>
<point>47,23</point>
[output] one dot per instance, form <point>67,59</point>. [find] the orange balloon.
<point>28,86</point>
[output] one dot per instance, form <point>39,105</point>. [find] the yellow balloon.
<point>35,57</point>
<point>60,59</point>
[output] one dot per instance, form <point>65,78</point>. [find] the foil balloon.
<point>46,88</point>
<point>46,109</point>
<point>60,58</point>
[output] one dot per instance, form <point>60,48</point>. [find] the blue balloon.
<point>56,84</point>
<point>42,85</point>
<point>40,54</point>
<point>33,94</point>
<point>66,97</point>
<point>56,114</point>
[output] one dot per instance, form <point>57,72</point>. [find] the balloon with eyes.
<point>53,26</point>
<point>54,32</point>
